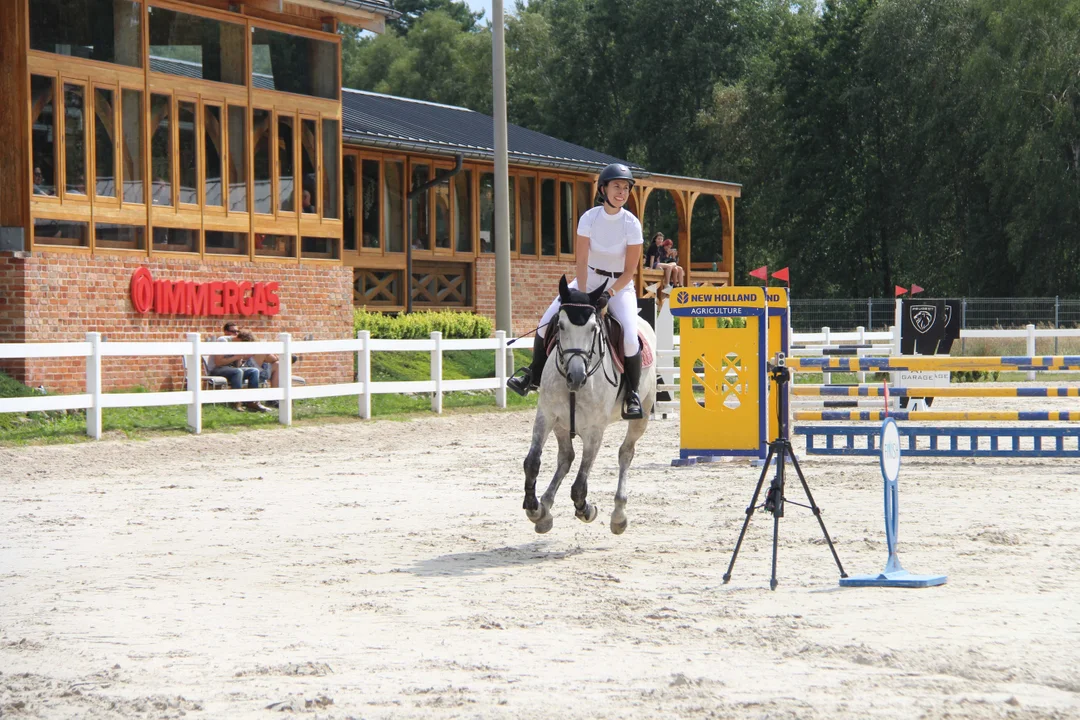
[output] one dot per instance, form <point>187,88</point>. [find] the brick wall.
<point>534,284</point>
<point>57,296</point>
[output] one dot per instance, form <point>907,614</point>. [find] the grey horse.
<point>582,366</point>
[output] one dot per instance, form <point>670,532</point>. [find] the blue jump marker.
<point>893,575</point>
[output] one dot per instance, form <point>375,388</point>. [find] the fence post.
<point>93,385</point>
<point>826,376</point>
<point>363,373</point>
<point>870,314</point>
<point>860,377</point>
<point>500,368</point>
<point>284,412</point>
<point>194,384</point>
<point>1031,348</point>
<point>436,372</point>
<point>963,324</point>
<point>1057,311</point>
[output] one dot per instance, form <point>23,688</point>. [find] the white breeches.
<point>623,307</point>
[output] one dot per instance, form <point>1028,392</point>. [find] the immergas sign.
<point>168,297</point>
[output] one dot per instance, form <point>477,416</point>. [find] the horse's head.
<point>579,334</point>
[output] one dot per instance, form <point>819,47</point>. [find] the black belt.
<point>605,273</point>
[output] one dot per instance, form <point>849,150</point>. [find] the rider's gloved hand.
<point>601,303</point>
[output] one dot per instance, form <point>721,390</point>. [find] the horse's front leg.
<point>584,510</point>
<point>626,455</point>
<point>533,509</point>
<point>566,459</point>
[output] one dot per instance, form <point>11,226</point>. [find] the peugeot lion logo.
<point>683,296</point>
<point>923,316</point>
<point>948,314</point>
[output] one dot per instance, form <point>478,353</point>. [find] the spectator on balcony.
<point>669,263</point>
<point>652,255</point>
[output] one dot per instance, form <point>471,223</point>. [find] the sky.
<point>485,5</point>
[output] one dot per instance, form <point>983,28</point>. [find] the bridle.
<point>593,356</point>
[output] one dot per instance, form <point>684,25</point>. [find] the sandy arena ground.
<point>386,570</point>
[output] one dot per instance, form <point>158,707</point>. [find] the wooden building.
<point>210,142</point>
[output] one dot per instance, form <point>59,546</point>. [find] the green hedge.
<point>418,325</point>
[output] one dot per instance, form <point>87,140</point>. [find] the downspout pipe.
<point>440,176</point>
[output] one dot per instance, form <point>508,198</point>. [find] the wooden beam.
<point>15,175</point>
<point>705,187</point>
<point>353,16</point>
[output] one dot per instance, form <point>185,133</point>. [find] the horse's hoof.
<point>589,514</point>
<point>544,525</point>
<point>538,514</point>
<point>618,525</point>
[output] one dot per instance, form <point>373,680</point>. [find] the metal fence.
<point>880,313</point>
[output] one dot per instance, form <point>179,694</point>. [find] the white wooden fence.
<point>195,396</point>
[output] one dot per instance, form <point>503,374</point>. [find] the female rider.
<point>608,249</point>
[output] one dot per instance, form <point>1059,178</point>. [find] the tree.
<point>412,10</point>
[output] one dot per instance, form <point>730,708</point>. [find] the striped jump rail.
<point>973,391</point>
<point>931,362</point>
<point>945,442</point>
<point>938,415</point>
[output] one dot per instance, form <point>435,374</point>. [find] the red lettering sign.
<point>166,297</point>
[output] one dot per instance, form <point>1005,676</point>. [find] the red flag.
<point>915,289</point>
<point>900,290</point>
<point>782,275</point>
<point>762,273</point>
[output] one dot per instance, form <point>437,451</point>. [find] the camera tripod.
<point>781,449</point>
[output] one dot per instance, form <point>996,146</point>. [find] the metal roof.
<point>398,123</point>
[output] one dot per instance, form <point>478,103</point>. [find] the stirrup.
<point>521,381</point>
<point>635,413</point>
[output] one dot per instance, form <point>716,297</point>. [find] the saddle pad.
<point>646,353</point>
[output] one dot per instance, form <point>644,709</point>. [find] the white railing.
<point>194,397</point>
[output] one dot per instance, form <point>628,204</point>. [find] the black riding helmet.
<point>614,171</point>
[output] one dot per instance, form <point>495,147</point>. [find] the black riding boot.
<point>632,377</point>
<point>529,377</point>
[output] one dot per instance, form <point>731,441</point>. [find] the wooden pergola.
<point>686,192</point>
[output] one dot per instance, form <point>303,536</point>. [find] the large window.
<point>309,143</point>
<point>331,149</point>
<point>226,243</point>
<point>189,153</point>
<point>547,217</point>
<point>238,136</point>
<point>196,47</point>
<point>183,240</point>
<point>105,30</point>
<point>294,64</point>
<point>370,203</point>
<point>74,139</point>
<point>487,212</point>
<point>463,215</point>
<point>394,201</point>
<point>161,150</point>
<point>119,237</point>
<point>43,122</point>
<point>132,145</point>
<point>419,232</point>
<point>263,191</point>
<point>567,219</point>
<point>441,193</point>
<point>350,190</point>
<point>286,163</point>
<point>527,208</point>
<point>104,143</point>
<point>212,151</point>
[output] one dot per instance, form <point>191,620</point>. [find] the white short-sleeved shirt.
<point>609,236</point>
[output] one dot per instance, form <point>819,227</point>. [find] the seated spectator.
<point>674,275</point>
<point>268,365</point>
<point>231,368</point>
<point>652,255</point>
